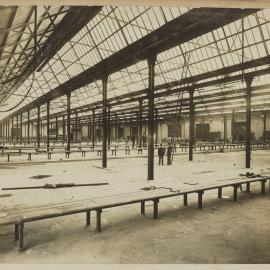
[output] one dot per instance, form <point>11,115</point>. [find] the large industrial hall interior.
<point>134,134</point>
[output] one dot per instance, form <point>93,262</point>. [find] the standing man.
<point>144,140</point>
<point>133,141</point>
<point>169,154</point>
<point>161,153</point>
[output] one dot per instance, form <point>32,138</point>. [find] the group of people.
<point>161,154</point>
<point>161,150</point>
<point>133,140</point>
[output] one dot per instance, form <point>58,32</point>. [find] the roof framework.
<point>213,57</point>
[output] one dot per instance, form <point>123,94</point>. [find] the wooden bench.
<point>19,216</point>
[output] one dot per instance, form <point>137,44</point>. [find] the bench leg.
<point>16,232</point>
<point>155,214</point>
<point>248,187</point>
<point>235,193</point>
<point>263,187</point>
<point>88,216</point>
<point>220,192</point>
<point>142,208</point>
<point>99,211</point>
<point>200,195</point>
<point>21,236</point>
<point>185,200</point>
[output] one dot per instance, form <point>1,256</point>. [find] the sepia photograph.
<point>134,133</point>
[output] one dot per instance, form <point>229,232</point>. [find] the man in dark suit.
<point>161,153</point>
<point>169,154</point>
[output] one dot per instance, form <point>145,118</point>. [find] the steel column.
<point>76,127</point>
<point>48,125</point>
<point>137,128</point>
<point>130,128</point>
<point>93,127</point>
<point>140,123</point>
<point>99,128</point>
<point>64,128</point>
<point>38,127</point>
<point>28,126</point>
<point>151,81</point>
<point>68,121</point>
<point>225,128</point>
<point>264,126</point>
<point>21,133</point>
<point>12,127</point>
<point>8,129</point>
<point>156,125</point>
<point>191,124</point>
<point>17,128</point>
<point>233,125</point>
<point>56,128</point>
<point>116,128</point>
<point>5,129</point>
<point>109,126</point>
<point>248,121</point>
<point>104,120</point>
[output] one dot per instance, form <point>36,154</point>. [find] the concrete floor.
<point>222,232</point>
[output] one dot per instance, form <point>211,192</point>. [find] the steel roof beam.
<point>186,27</point>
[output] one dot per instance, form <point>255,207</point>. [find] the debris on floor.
<point>191,183</point>
<point>40,176</point>
<point>52,186</point>
<point>5,195</point>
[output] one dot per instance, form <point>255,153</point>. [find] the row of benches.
<point>113,151</point>
<point>20,216</point>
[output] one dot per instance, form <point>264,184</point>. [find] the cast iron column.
<point>140,123</point>
<point>93,127</point>
<point>116,128</point>
<point>76,127</point>
<point>41,130</point>
<point>233,126</point>
<point>109,126</point>
<point>264,125</point>
<point>21,133</point>
<point>64,128</point>
<point>225,128</point>
<point>8,123</point>
<point>12,127</point>
<point>68,121</point>
<point>56,128</point>
<point>89,129</point>
<point>28,126</point>
<point>104,120</point>
<point>137,128</point>
<point>38,127</point>
<point>151,81</point>
<point>248,120</point>
<point>48,125</point>
<point>130,127</point>
<point>156,125</point>
<point>17,128</point>
<point>191,124</point>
